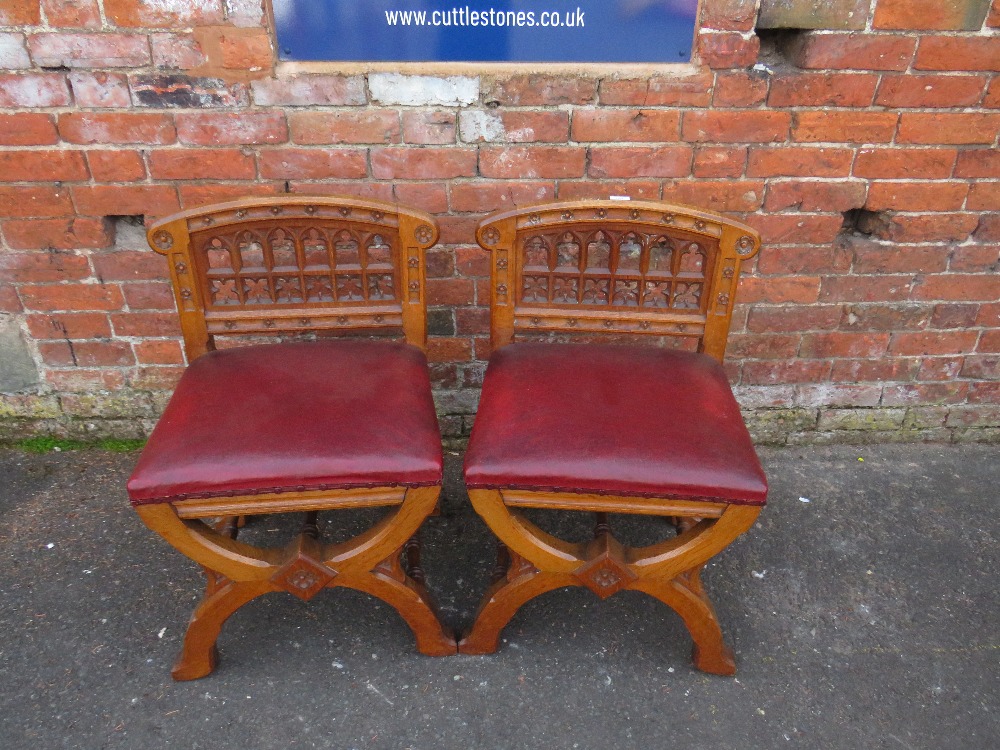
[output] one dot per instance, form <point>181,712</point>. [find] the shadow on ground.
<point>863,609</point>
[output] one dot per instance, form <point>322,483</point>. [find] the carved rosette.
<point>502,276</point>
<point>413,271</point>
<point>744,246</point>
<point>424,234</point>
<point>163,240</point>
<point>491,236</point>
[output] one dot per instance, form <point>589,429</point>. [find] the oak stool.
<point>610,428</point>
<point>296,426</point>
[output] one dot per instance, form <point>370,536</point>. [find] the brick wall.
<point>859,137</point>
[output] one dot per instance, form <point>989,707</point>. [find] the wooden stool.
<point>296,426</point>
<point>608,428</point>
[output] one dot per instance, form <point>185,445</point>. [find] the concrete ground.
<point>863,609</point>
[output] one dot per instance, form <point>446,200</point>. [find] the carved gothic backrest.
<point>296,264</point>
<point>617,267</point>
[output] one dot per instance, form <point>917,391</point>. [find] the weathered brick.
<point>822,89</point>
<point>831,14</point>
<point>88,50</point>
<point>86,353</point>
<point>922,343</point>
<point>959,287</point>
<point>989,315</point>
<point>844,126</point>
<point>531,162</point>
<point>73,14</point>
<point>71,297</point>
<point>887,258</point>
<point>145,324</point>
<point>201,164</point>
<point>800,161</point>
<point>42,166</point>
<point>719,161</point>
<point>34,90</point>
<point>100,89</point>
<point>984,367</point>
<point>484,197</point>
<point>873,370</point>
<point>948,127</point>
<point>830,394</point>
<point>521,126</point>
<point>807,259</point>
<point>834,195</point>
<point>984,393</point>
<point>658,91</point>
<point>989,342</point>
<point>120,127</point>
<point>762,345</point>
<point>861,419</point>
<point>736,15</point>
<point>652,161</point>
<point>717,195</point>
<point>313,164</point>
<point>359,188</point>
<point>424,163</point>
<point>27,129</point>
<point>116,166</point>
<point>540,90</point>
<point>603,189</point>
<point>974,416</point>
<point>892,316</point>
<point>943,15</point>
<point>992,98</point>
<point>163,13</point>
<point>128,265</point>
<point>35,268</point>
<point>735,127</point>
<point>913,90</point>
<point>905,163</point>
<point>176,51</point>
<point>916,196</point>
<point>727,49</point>
<point>24,202</point>
<point>984,196</point>
<point>865,288</point>
<point>149,296</point>
<point>940,368</point>
<point>309,90</point>
<point>955,315</point>
<point>625,125</point>
<point>245,49</point>
<point>978,162</point>
<point>763,372</point>
<point>975,259</point>
<point>799,228</point>
<point>850,51</point>
<point>158,352</point>
<point>793,318</point>
<point>739,89</point>
<point>430,196</point>
<point>312,128</point>
<point>175,91</point>
<point>931,228</point>
<point>57,234</point>
<point>125,200</point>
<point>437,127</point>
<point>778,290</point>
<point>13,51</point>
<point>843,344</point>
<point>68,325</point>
<point>958,53</point>
<point>231,128</point>
<point>20,13</point>
<point>85,381</point>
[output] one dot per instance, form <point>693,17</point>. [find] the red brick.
<point>857,51</point>
<point>944,15</point>
<point>440,264</point>
<point>658,91</point>
<point>20,13</point>
<point>993,18</point>
<point>989,228</point>
<point>960,287</point>
<point>149,296</point>
<point>125,200</point>
<point>604,189</point>
<point>156,377</point>
<point>34,90</point>
<point>739,89</point>
<point>345,127</point>
<point>793,318</point>
<point>85,381</point>
<point>873,370</point>
<point>905,163</point>
<point>423,164</point>
<point>13,51</point>
<point>933,228</point>
<point>145,324</point>
<point>452,291</point>
<point>948,127</point>
<point>924,91</point>
<point>68,326</point>
<point>955,315</point>
<point>916,196</point>
<point>535,127</point>
<point>42,166</point>
<point>880,258</point>
<point>472,320</point>
<point>86,353</point>
<point>899,316</point>
<point>822,89</point>
<point>531,162</point>
<point>245,49</point>
<point>834,195</point>
<point>777,290</point>
<point>799,228</point>
<point>719,161</point>
<point>635,161</point>
<point>201,164</point>
<point>103,127</point>
<point>76,14</point>
<point>924,394</point>
<point>989,342</point>
<point>985,367</point>
<point>727,195</point>
<point>84,50</point>
<point>978,162</point>
<point>484,197</point>
<point>57,234</point>
<point>430,196</point>
<point>840,344</point>
<point>735,15</point>
<point>800,161</point>
<point>760,372</point>
<point>958,53</point>
<point>735,127</point>
<point>456,230</point>
<point>449,349</point>
<point>173,91</point>
<point>192,196</point>
<point>361,189</point>
<point>129,265</point>
<point>71,297</point>
<point>311,164</point>
<point>27,129</point>
<point>984,393</point>
<point>116,166</point>
<point>865,288</point>
<point>844,127</point>
<point>762,346</point>
<point>540,90</point>
<point>40,267</point>
<point>434,127</point>
<point>984,196</point>
<point>922,343</point>
<point>975,258</point>
<point>472,261</point>
<point>989,316</point>
<point>727,50</point>
<point>940,368</point>
<point>24,202</point>
<point>992,98</point>
<point>159,352</point>
<point>610,125</point>
<point>309,90</point>
<point>101,89</point>
<point>171,13</point>
<point>808,259</point>
<point>231,128</point>
<point>177,51</point>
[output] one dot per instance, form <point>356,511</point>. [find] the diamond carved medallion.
<point>303,576</point>
<point>605,573</point>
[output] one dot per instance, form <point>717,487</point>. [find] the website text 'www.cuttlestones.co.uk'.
<point>486,18</point>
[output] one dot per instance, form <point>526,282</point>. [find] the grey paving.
<point>866,617</point>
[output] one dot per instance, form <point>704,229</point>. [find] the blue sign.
<point>636,31</point>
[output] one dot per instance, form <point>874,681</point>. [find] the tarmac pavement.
<point>863,608</point>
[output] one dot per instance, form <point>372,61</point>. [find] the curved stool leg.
<point>711,654</point>
<point>199,656</point>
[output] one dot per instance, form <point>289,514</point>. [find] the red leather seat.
<point>614,420</point>
<point>235,424</point>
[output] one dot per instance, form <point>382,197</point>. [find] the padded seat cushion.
<point>295,416</point>
<point>612,420</point>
